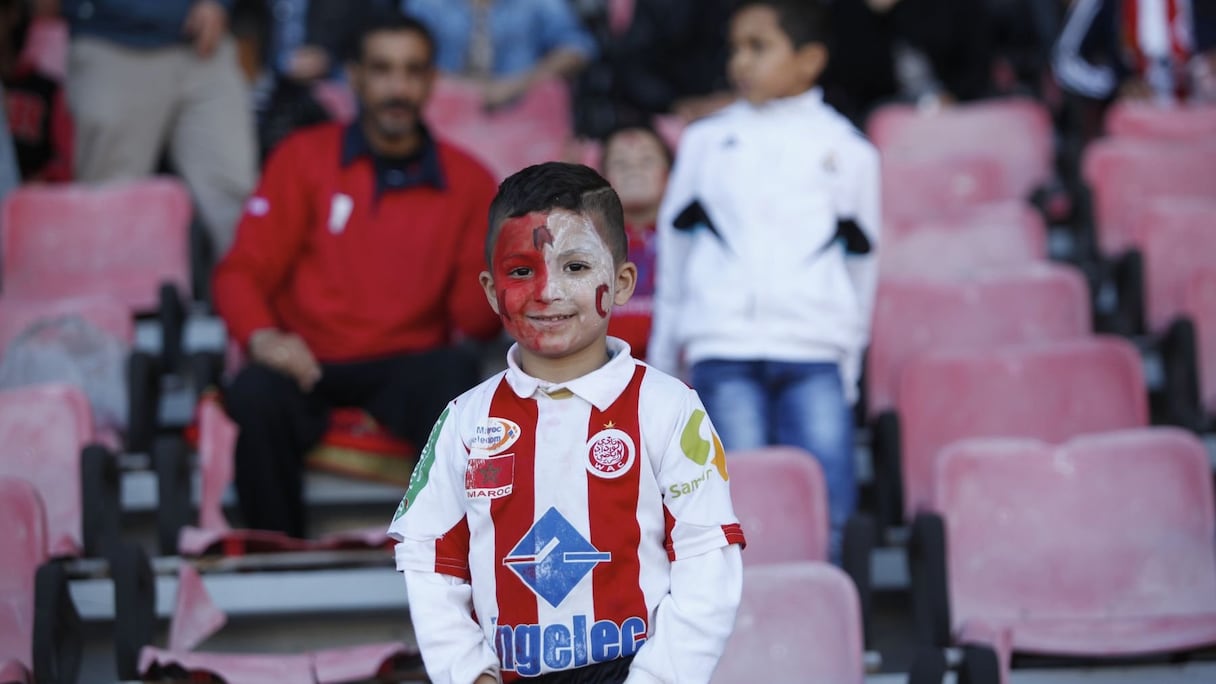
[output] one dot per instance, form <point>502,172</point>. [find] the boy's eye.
<point>577,266</point>
<point>520,272</point>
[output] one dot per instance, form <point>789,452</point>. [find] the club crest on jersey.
<point>494,435</point>
<point>610,453</point>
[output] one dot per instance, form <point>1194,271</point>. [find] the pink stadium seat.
<point>1049,391</point>
<point>1040,303</point>
<point>1102,546</point>
<point>916,186</point>
<point>23,536</point>
<point>535,129</point>
<point>44,428</point>
<point>46,47</point>
<point>1201,307</point>
<point>337,99</point>
<point>1177,238</point>
<point>1017,133</point>
<point>620,15</point>
<point>195,618</point>
<point>106,313</point>
<point>1133,119</point>
<point>123,239</point>
<point>970,241</point>
<point>216,439</point>
<point>781,500</point>
<point>798,622</point>
<point>1123,174</point>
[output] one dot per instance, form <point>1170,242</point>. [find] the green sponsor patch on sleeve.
<point>422,471</point>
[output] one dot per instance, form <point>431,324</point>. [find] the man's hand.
<point>503,91</point>
<point>308,63</point>
<point>286,353</point>
<point>205,25</point>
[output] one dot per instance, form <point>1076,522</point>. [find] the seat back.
<point>122,239</point>
<point>916,186</point>
<point>797,622</point>
<point>1015,132</point>
<point>781,501</point>
<point>1104,526</point>
<point>1201,307</point>
<point>974,240</point>
<point>23,538</point>
<point>216,442</point>
<point>1040,303</point>
<point>1133,119</point>
<point>1123,174</point>
<point>105,313</point>
<point>1177,238</point>
<point>535,129</point>
<point>46,47</point>
<point>45,428</point>
<point>1051,391</point>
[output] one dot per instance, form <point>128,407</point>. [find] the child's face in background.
<point>764,65</point>
<point>636,166</point>
<point>553,282</point>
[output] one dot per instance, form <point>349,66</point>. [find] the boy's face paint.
<point>553,278</point>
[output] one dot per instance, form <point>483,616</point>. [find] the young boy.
<point>766,268</point>
<point>569,519</point>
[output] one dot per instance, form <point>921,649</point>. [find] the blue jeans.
<point>761,403</point>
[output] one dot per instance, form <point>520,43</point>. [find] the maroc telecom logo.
<point>494,435</point>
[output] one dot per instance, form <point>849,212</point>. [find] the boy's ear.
<point>487,284</point>
<point>626,281</point>
<point>812,59</point>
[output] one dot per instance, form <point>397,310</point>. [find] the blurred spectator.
<point>1145,49</point>
<point>909,50</point>
<point>37,114</point>
<point>636,162</point>
<point>300,43</point>
<point>673,57</point>
<point>355,267</point>
<point>508,45</point>
<point>146,74</point>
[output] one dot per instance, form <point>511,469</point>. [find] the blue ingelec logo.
<point>552,558</point>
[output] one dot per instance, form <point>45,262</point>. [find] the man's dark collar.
<point>420,168</point>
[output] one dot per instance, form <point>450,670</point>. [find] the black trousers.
<point>279,423</point>
<point>611,672</point>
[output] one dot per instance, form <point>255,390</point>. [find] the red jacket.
<point>356,275</point>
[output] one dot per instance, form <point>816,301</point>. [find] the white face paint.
<point>553,282</point>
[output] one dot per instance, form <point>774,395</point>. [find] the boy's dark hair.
<point>668,155</point>
<point>803,21</point>
<point>559,185</point>
<point>388,21</point>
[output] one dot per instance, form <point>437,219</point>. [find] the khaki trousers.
<point>129,105</point>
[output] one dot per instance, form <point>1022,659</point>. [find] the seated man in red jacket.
<point>355,265</point>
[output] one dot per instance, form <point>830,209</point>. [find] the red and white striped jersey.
<point>564,507</point>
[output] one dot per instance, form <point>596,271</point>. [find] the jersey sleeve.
<point>696,493</point>
<point>430,525</point>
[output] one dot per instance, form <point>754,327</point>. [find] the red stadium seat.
<point>781,501</point>
<point>1039,303</point>
<point>44,428</point>
<point>1124,174</point>
<point>1177,238</point>
<point>1133,119</point>
<point>1201,307</point>
<point>1016,133</point>
<point>797,622</point>
<point>970,241</point>
<point>1102,546</point>
<point>535,129</point>
<point>23,536</point>
<point>1049,391</point>
<point>124,240</point>
<point>916,186</point>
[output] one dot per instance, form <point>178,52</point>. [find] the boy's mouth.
<point>550,318</point>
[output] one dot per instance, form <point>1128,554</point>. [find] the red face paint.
<point>520,246</point>
<point>601,301</point>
